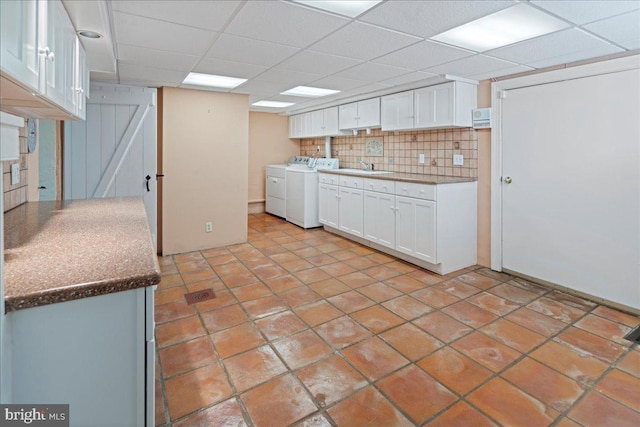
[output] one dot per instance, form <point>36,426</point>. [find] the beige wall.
<point>269,144</point>
<point>484,180</point>
<point>205,161</point>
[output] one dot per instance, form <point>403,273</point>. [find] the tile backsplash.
<point>15,195</point>
<point>401,151</point>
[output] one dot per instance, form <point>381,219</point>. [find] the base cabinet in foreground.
<point>95,354</point>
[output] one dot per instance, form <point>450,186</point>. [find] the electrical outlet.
<point>15,173</point>
<point>421,159</point>
<point>208,227</point>
<point>458,160</point>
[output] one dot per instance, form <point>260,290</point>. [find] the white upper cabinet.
<point>441,106</point>
<point>19,41</point>
<point>81,88</point>
<point>397,111</point>
<point>39,54</point>
<point>361,114</point>
<point>314,124</point>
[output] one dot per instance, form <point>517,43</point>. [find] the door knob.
<point>148,177</point>
<point>507,180</point>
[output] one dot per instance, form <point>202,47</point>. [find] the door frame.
<point>499,90</point>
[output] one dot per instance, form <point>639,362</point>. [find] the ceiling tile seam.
<point>217,36</point>
<point>300,49</point>
<point>599,37</point>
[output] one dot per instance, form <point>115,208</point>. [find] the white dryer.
<point>302,191</point>
<point>275,186</point>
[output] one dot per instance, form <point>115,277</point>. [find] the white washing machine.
<point>302,191</point>
<point>275,186</point>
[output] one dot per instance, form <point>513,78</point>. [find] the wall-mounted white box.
<point>481,118</point>
<point>15,173</point>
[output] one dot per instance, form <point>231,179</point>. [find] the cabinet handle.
<point>44,51</point>
<point>51,57</point>
<point>384,186</point>
<point>274,180</point>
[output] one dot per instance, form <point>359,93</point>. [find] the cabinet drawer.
<point>351,182</point>
<point>276,187</point>
<point>380,185</point>
<point>418,191</point>
<point>329,179</point>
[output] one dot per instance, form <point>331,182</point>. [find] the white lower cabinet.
<point>416,228</point>
<point>350,208</point>
<point>380,218</point>
<point>328,206</point>
<point>434,226</point>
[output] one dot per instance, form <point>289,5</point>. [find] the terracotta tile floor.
<point>309,329</point>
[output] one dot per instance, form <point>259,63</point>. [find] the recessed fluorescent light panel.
<point>309,92</point>
<point>512,25</point>
<point>272,104</point>
<point>350,8</point>
<point>212,80</point>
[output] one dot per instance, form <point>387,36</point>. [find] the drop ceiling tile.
<point>316,62</point>
<point>210,15</point>
<point>574,56</point>
<point>293,78</point>
<point>284,23</point>
<point>136,30</point>
<point>98,76</point>
<point>147,83</point>
<point>582,12</point>
<point>413,77</point>
<point>499,73</point>
<point>156,58</point>
<point>372,72</point>
<point>363,41</point>
<point>471,65</point>
<point>423,55</point>
<point>368,89</point>
<point>284,98</point>
<point>562,43</point>
<point>338,83</point>
<point>228,68</point>
<point>261,86</point>
<point>428,18</point>
<point>630,44</point>
<point>141,73</point>
<point>241,49</point>
<point>619,29</point>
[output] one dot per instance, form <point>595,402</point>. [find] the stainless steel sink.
<point>363,172</point>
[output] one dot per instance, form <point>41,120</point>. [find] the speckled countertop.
<point>406,177</point>
<point>67,250</point>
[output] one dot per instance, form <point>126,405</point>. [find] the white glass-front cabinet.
<point>19,47</point>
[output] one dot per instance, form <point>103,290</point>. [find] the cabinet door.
<point>317,123</point>
<point>328,205</point>
<point>369,113</point>
<point>19,34</point>
<point>305,126</point>
<point>348,114</point>
<point>351,206</point>
<point>379,218</point>
<point>444,103</point>
<point>405,225</point>
<point>70,67</point>
<point>294,126</point>
<point>54,40</point>
<point>425,107</point>
<point>425,223</point>
<point>81,81</point>
<point>397,111</point>
<point>331,121</point>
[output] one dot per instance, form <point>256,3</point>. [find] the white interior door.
<point>113,151</point>
<point>571,213</point>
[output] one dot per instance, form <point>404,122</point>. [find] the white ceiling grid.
<point>279,44</point>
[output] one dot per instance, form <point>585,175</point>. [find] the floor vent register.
<point>634,335</point>
<point>199,296</point>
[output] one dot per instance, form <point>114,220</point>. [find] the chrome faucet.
<point>365,165</point>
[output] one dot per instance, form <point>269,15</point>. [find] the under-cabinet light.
<point>212,80</point>
<point>89,34</point>
<point>310,92</point>
<point>508,26</point>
